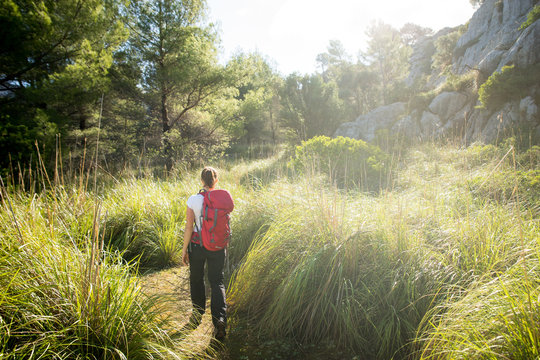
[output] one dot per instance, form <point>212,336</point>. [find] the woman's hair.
<point>209,176</point>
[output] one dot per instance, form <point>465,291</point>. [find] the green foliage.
<point>422,253</point>
<point>465,83</point>
<point>479,154</point>
<point>181,77</point>
<point>346,161</point>
<point>358,84</point>
<point>310,107</point>
<point>359,88</point>
<point>258,107</point>
<point>54,63</point>
<point>388,55</point>
<point>529,159</point>
<point>421,100</point>
<point>511,304</point>
<point>69,68</point>
<point>308,251</point>
<point>532,16</point>
<point>332,61</point>
<point>444,49</point>
<point>412,272</point>
<point>511,83</point>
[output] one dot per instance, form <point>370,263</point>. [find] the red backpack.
<point>216,230</point>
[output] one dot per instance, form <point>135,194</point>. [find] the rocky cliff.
<point>493,40</point>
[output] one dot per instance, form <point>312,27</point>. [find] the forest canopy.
<point>143,79</point>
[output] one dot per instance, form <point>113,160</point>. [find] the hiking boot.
<point>220,331</point>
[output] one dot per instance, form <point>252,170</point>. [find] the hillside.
<point>487,86</point>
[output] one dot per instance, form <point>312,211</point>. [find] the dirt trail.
<point>173,284</point>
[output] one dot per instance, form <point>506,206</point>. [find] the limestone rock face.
<point>366,126</point>
<point>420,61</point>
<point>493,39</point>
<point>528,109</point>
<point>429,124</point>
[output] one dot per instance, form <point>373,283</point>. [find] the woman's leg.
<point>196,278</point>
<point>216,261</point>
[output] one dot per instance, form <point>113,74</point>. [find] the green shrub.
<point>532,16</point>
<point>509,84</point>
<point>530,159</point>
<point>145,220</point>
<point>444,49</point>
<point>346,161</point>
<point>465,83</point>
<point>479,154</point>
<point>421,100</point>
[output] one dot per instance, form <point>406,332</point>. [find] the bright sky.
<point>291,33</point>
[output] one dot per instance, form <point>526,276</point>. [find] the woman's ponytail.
<point>209,176</point>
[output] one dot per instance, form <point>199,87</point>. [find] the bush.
<point>466,83</point>
<point>530,158</point>
<point>479,154</point>
<point>421,100</point>
<point>445,46</point>
<point>532,16</point>
<point>346,161</point>
<point>509,84</point>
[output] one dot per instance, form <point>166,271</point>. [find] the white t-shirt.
<point>195,203</point>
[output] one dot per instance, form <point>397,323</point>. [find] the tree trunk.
<point>167,147</point>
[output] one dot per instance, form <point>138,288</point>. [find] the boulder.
<point>350,129</point>
<point>429,123</point>
<point>528,110</point>
<point>366,126</point>
<point>407,127</point>
<point>476,123</point>
<point>447,104</point>
<point>499,121</point>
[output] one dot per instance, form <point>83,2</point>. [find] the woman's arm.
<point>188,230</point>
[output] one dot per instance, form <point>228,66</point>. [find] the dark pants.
<point>215,260</point>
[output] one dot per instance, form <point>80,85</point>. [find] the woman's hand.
<point>185,257</point>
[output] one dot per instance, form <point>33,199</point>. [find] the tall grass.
<point>69,265</point>
<point>62,297</point>
<point>497,319</point>
<point>145,219</point>
<point>321,272</point>
<point>376,275</point>
<point>413,272</point>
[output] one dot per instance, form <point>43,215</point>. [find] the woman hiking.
<point>206,237</point>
